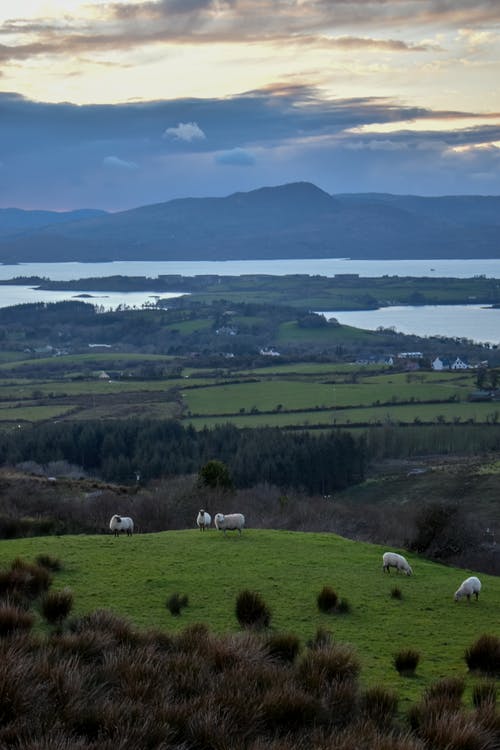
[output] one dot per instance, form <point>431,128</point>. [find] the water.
<point>474,322</point>
<point>19,295</point>
<point>459,269</point>
<point>464,321</point>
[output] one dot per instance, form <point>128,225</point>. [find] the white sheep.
<point>203,520</point>
<point>393,560</point>
<point>230,522</point>
<point>470,586</point>
<point>121,523</point>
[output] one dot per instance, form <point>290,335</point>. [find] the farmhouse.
<point>442,363</point>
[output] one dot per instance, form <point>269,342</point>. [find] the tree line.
<point>140,450</point>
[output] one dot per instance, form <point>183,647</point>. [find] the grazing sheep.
<point>470,586</point>
<point>203,520</point>
<point>121,523</point>
<point>230,522</point>
<point>393,560</point>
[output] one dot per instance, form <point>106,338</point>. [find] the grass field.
<point>134,576</point>
<point>295,394</point>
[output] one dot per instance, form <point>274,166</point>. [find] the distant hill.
<point>297,220</point>
<point>16,221</point>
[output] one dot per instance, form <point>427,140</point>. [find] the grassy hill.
<point>134,576</point>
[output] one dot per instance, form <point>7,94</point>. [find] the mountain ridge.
<point>286,221</point>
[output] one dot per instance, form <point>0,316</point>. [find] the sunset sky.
<point>119,104</point>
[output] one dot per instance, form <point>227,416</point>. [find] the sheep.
<point>470,586</point>
<point>121,523</point>
<point>203,520</point>
<point>230,522</point>
<point>393,560</point>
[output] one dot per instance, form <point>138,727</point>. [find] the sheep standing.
<point>121,523</point>
<point>468,587</point>
<point>393,560</point>
<point>230,522</point>
<point>203,520</point>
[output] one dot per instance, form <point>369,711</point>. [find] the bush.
<point>406,662</point>
<point>14,619</point>
<point>484,694</point>
<point>176,603</point>
<point>327,599</point>
<point>24,579</point>
<point>484,655</point>
<point>343,607</point>
<point>49,562</point>
<point>55,606</point>
<point>380,705</point>
<point>283,646</point>
<point>449,689</point>
<point>251,610</point>
<point>322,637</point>
<point>323,666</point>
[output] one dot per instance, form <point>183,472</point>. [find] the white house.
<point>459,364</point>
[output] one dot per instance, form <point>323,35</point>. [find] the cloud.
<point>125,25</point>
<point>235,157</point>
<point>185,131</point>
<point>116,163</point>
<point>284,133</point>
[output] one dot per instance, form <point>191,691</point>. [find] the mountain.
<point>297,220</point>
<point>16,221</point>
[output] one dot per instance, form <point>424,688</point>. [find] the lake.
<point>459,269</point>
<point>468,321</point>
<point>480,324</point>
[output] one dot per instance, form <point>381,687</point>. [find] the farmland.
<point>291,395</point>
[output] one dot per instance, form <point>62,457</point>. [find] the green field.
<point>134,576</point>
<point>292,394</point>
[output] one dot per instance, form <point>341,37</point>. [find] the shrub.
<point>251,610</point>
<point>322,637</point>
<point>322,666</point>
<point>343,607</point>
<point>446,692</point>
<point>55,606</point>
<point>484,694</point>
<point>406,662</point>
<point>176,603</point>
<point>380,705</point>
<point>49,562</point>
<point>327,599</point>
<point>396,592</point>
<point>484,655</point>
<point>14,619</point>
<point>24,579</point>
<point>286,708</point>
<point>283,646</point>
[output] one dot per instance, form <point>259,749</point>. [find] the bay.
<point>475,322</point>
<point>464,321</point>
<point>459,269</point>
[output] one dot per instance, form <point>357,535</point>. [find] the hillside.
<point>289,569</point>
<point>296,220</point>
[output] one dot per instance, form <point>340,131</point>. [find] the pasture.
<point>290,395</point>
<point>134,576</point>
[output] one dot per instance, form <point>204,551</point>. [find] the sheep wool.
<point>229,522</point>
<point>468,587</point>
<point>393,560</point>
<point>203,520</point>
<point>121,524</point>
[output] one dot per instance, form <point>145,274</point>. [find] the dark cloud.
<point>116,156</point>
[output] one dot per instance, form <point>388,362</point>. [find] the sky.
<point>114,105</point>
